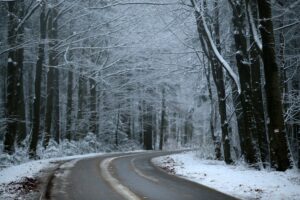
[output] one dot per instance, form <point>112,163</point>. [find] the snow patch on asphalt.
<point>237,180</point>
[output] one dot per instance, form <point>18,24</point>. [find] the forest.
<point>80,76</point>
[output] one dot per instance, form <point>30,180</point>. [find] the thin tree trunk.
<point>69,105</point>
<point>239,117</point>
<point>148,127</point>
<point>117,128</point>
<point>93,101</point>
<point>163,120</point>
<point>216,142</point>
<point>81,124</point>
<point>297,131</point>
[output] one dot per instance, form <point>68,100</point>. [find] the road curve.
<point>129,176</point>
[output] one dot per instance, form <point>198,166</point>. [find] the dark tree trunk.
<point>117,129</point>
<point>279,152</point>
<point>297,131</point>
<point>21,125</point>
<point>148,127</point>
<point>217,72</point>
<point>82,127</point>
<point>3,66</point>
<point>245,81</point>
<point>69,105</point>
<point>163,122</point>
<point>53,61</point>
<point>238,110</point>
<point>258,106</point>
<point>37,85</point>
<point>93,104</point>
<point>154,123</point>
<point>15,108</point>
<point>257,95</point>
<point>218,76</point>
<point>140,119</point>
<point>52,107</point>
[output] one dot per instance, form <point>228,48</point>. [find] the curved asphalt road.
<point>124,176</point>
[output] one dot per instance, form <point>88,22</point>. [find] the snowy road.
<point>123,176</point>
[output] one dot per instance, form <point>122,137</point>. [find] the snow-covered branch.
<point>136,3</point>
<point>35,7</point>
<point>212,45</point>
<point>253,29</point>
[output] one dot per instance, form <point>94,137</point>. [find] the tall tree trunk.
<point>37,85</point>
<point>257,95</point>
<point>212,123</point>
<point>218,76</point>
<point>162,120</point>
<point>243,65</point>
<point>53,61</point>
<point>217,143</point>
<point>258,106</point>
<point>49,107</point>
<point>279,152</point>
<point>93,104</point>
<point>154,129</point>
<point>117,128</point>
<point>82,93</point>
<point>15,108</point>
<point>239,117</point>
<point>297,131</point>
<point>21,125</point>
<point>52,107</point>
<point>148,127</point>
<point>3,66</point>
<point>217,72</point>
<point>238,110</point>
<point>69,105</point>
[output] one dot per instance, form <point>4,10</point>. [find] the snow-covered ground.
<point>22,181</point>
<point>30,169</point>
<point>236,180</point>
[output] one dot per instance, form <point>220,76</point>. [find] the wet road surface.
<point>123,176</point>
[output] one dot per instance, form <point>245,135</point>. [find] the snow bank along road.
<point>123,176</point>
